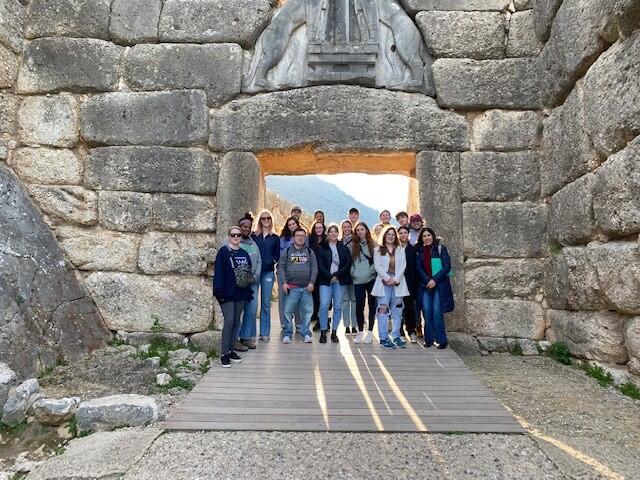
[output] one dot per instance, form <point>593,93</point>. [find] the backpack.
<point>242,272</point>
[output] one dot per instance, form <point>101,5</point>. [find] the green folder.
<point>436,266</point>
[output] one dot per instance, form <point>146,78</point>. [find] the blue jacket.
<point>224,280</point>
<point>269,250</point>
<point>443,284</point>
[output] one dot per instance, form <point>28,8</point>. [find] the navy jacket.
<point>269,247</point>
<point>410,273</point>
<point>443,284</point>
<point>224,280</point>
<point>325,257</point>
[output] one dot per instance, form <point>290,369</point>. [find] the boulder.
<point>184,213</point>
<point>571,220</point>
<point>9,65</point>
<point>49,120</point>
<point>8,378</point>
<point>505,318</point>
<point>523,41</point>
<point>632,342</point>
<point>135,21</point>
<point>68,18</point>
<point>463,343</point>
<point>163,379</point>
<point>177,118</point>
<point>12,13</point>
<point>206,341</point>
<point>15,407</point>
<point>69,64</point>
<point>337,118</point>
<point>499,279</point>
<point>493,344</point>
<point>51,411</point>
<point>67,204</point>
<point>125,211</point>
<point>9,104</point>
<point>589,335</point>
<point>47,166</point>
<point>152,362</point>
<point>528,347</point>
<point>504,130</point>
<point>116,411</point>
<point>180,304</point>
<point>184,253</point>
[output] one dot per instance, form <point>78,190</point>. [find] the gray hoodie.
<point>297,267</point>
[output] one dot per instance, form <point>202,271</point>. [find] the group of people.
<point>400,273</point>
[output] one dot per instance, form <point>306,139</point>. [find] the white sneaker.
<point>286,340</point>
<point>368,337</point>
<point>413,338</point>
<point>308,339</point>
<point>358,338</point>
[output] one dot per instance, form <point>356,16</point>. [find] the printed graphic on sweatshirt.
<point>299,257</point>
<point>240,260</point>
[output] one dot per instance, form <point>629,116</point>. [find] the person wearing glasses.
<point>247,332</point>
<point>232,288</point>
<point>269,245</point>
<point>286,240</point>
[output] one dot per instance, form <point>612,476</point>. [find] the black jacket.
<point>325,257</point>
<point>410,273</point>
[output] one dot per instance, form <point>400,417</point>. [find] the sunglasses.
<point>265,218</point>
<point>235,235</point>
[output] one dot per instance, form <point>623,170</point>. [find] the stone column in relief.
<point>238,189</point>
<point>438,175</point>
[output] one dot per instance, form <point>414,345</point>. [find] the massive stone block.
<point>543,14</point>
<point>472,84</point>
<point>505,318</point>
<point>9,104</point>
<point>499,279</point>
<point>458,5</point>
<point>186,213</point>
<point>130,302</point>
<point>479,35</point>
<point>152,169</point>
<point>616,197</point>
<point>68,18</point>
<point>9,64</point>
<point>47,166</point>
<point>567,149</point>
<point>522,41</point>
<point>125,211</point>
<point>214,21</point>
<point>589,335</point>
<point>335,118</point>
<point>69,64</point>
<point>612,93</point>
<point>183,253</point>
<point>490,176</point>
<point>135,21</point>
<point>504,130</point>
<point>49,121</point>
<point>66,204</point>
<point>161,118</point>
<point>44,313</point>
<point>571,220</point>
<point>632,342</point>
<point>12,14</point>
<point>504,230</point>
<point>596,277</point>
<point>216,69</point>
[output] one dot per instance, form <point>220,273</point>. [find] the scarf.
<point>427,260</point>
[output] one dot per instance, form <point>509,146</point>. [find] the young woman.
<point>286,240</point>
<point>247,332</point>
<point>334,267</point>
<point>318,216</point>
<point>363,273</point>
<point>433,267</point>
<point>377,229</point>
<point>348,293</point>
<point>385,218</point>
<point>390,287</point>
<point>232,288</point>
<point>269,246</point>
<point>409,314</point>
<point>317,235</point>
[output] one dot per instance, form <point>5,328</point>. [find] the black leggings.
<point>363,291</point>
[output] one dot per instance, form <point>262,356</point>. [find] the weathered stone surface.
<point>97,249</point>
<point>216,69</point>
<point>622,19</point>
<point>210,340</point>
<point>458,5</point>
<point>589,335</point>
<point>612,90</point>
<point>631,341</point>
<point>500,279</point>
<point>102,455</point>
<point>135,21</point>
<point>504,130</point>
<point>142,338</point>
<point>69,64</point>
<point>12,14</point>
<point>117,411</point>
<point>511,318</point>
<point>44,314</point>
<point>528,347</point>
<point>52,411</point>
<point>504,230</point>
<point>523,4</point>
<point>185,213</point>
<point>571,220</point>
<point>152,169</point>
<point>163,379</point>
<point>47,166</point>
<point>186,253</point>
<point>543,15</point>
<point>8,378</point>
<point>214,21</point>
<point>49,121</point>
<point>522,41</point>
<point>438,176</point>
<point>15,408</point>
<point>567,149</point>
<point>124,211</point>
<point>68,18</point>
<point>490,176</point>
<point>493,344</point>
<point>9,65</point>
<point>160,118</point>
<point>335,118</point>
<point>66,203</point>
<point>130,302</point>
<point>472,84</point>
<point>8,113</point>
<point>596,277</point>
<point>479,35</point>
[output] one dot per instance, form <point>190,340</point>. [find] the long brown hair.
<point>355,249</point>
<point>285,232</point>
<point>383,242</point>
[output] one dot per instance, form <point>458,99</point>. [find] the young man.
<point>402,218</point>
<point>385,218</point>
<point>415,226</point>
<point>354,216</point>
<point>297,272</point>
<point>296,212</point>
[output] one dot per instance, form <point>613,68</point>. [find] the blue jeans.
<point>349,306</point>
<point>248,329</point>
<point>433,318</point>
<point>297,300</point>
<point>389,305</point>
<point>333,291</point>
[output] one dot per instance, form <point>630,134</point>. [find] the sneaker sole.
<point>236,361</point>
<point>225,366</point>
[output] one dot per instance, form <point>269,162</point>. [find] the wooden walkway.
<point>343,388</point>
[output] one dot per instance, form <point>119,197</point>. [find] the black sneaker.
<point>323,336</point>
<point>347,331</point>
<point>234,357</point>
<point>334,337</point>
<point>442,346</point>
<point>225,361</point>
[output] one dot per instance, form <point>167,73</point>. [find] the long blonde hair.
<point>257,227</point>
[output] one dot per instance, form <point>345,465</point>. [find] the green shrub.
<point>630,390</point>
<point>560,353</point>
<point>603,377</point>
<point>517,350</point>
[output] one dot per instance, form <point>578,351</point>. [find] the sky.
<point>377,191</point>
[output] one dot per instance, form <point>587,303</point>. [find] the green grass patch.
<point>603,377</point>
<point>13,430</point>
<point>630,390</point>
<point>116,342</point>
<point>517,350</point>
<point>204,368</point>
<point>175,383</point>
<point>560,353</point>
<point>554,248</point>
<point>18,476</point>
